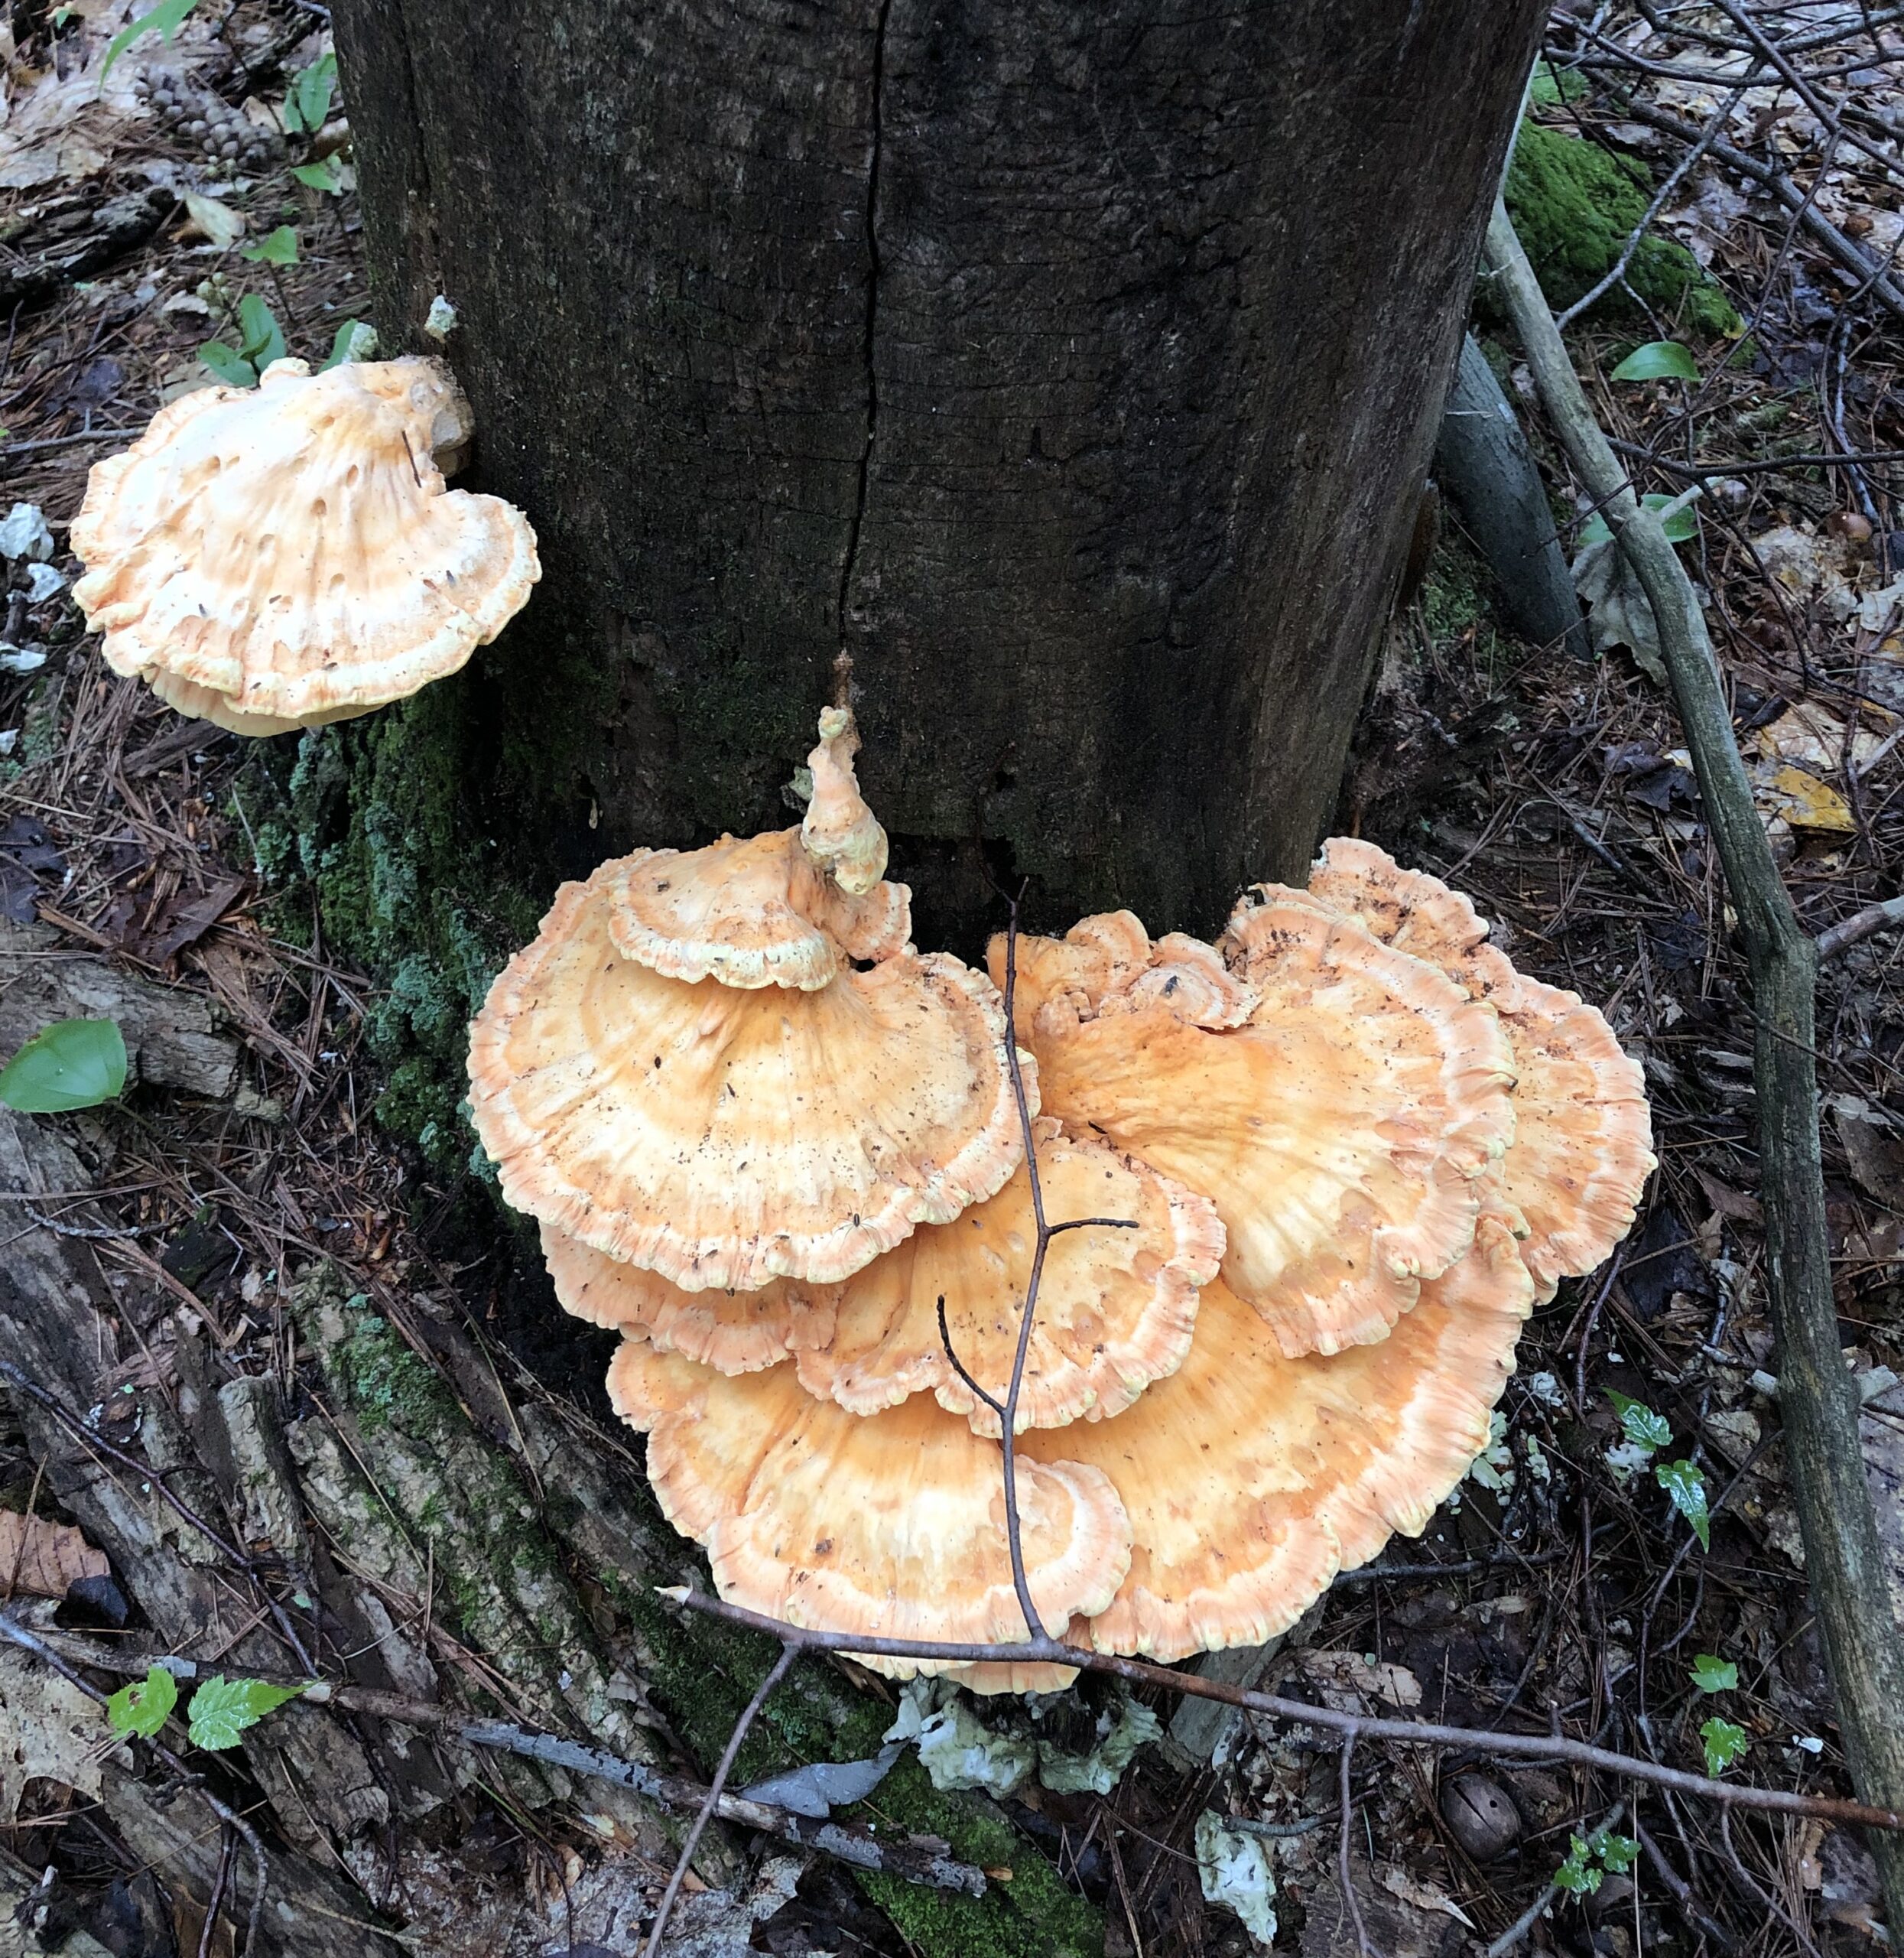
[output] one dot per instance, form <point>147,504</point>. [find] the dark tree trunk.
<point>1075,368</point>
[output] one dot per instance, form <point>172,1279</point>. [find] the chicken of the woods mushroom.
<point>279,557</point>
<point>1332,1162</point>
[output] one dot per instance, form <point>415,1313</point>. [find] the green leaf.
<point>1618,1853</point>
<point>1643,1428</point>
<point>1658,360</point>
<point>1579,1873</point>
<point>166,17</point>
<point>1711,1674</point>
<point>222,1708</point>
<point>72,1064</point>
<point>143,1707</point>
<point>1725,1744</point>
<point>279,248</point>
<point>326,174</point>
<point>260,341</point>
<point>307,101</point>
<point>1681,528</point>
<point>232,368</point>
<point>1682,1482</point>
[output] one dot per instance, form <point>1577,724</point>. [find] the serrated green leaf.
<point>1618,1853</point>
<point>143,1707</point>
<point>326,174</point>
<point>1712,1674</point>
<point>278,247</point>
<point>232,368</point>
<point>1681,528</point>
<point>1683,1482</point>
<point>260,340</point>
<point>1641,1426</point>
<point>1658,360</point>
<point>222,1708</point>
<point>164,19</point>
<point>72,1064</point>
<point>1724,1744</point>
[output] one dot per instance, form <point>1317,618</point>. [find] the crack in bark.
<point>850,561</point>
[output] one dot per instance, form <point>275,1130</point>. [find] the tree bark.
<point>1076,370</point>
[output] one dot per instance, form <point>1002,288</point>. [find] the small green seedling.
<point>355,339</point>
<point>1658,360</point>
<point>278,247</point>
<point>222,1708</point>
<point>1590,1859</point>
<point>165,20</point>
<point>72,1064</point>
<point>326,174</point>
<point>1724,1743</point>
<point>1681,528</point>
<point>307,100</point>
<point>1683,1482</point>
<point>1641,1426</point>
<point>260,341</point>
<point>143,1707</point>
<point>1712,1674</point>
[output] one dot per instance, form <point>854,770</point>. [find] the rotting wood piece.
<point>172,1036</point>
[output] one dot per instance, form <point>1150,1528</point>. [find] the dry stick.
<point>1351,1903</point>
<point>1482,1741</point>
<point>1888,917</point>
<point>1531,1916</point>
<point>788,1654</point>
<point>1855,261</point>
<point>1819,1404</point>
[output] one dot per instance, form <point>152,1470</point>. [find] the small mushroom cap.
<point>892,1525</point>
<point>1115,1308</point>
<point>1250,1480</point>
<point>292,547</point>
<point>734,1332</point>
<point>1582,1149</point>
<point>753,911</point>
<point>1339,1129</point>
<point>840,833</point>
<point>725,1137</point>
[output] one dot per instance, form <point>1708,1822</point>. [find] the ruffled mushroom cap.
<point>723,1136</point>
<point>1115,1308</point>
<point>734,1332</point>
<point>291,549</point>
<point>750,912</point>
<point>1250,1480</point>
<point>892,1525</point>
<point>839,831</point>
<point>1109,960</point>
<point>1339,1129</point>
<point>1582,1149</point>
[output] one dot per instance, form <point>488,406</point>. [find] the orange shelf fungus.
<point>892,1525</point>
<point>1332,1162</point>
<point>283,556</point>
<point>686,1072</point>
<point>1338,1121</point>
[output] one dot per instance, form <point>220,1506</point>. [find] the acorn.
<point>1480,1817</point>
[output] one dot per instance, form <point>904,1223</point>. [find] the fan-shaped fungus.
<point>1339,1122</point>
<point>893,1526</point>
<point>786,1115</point>
<point>285,555</point>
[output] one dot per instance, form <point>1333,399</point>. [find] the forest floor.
<point>1563,1588</point>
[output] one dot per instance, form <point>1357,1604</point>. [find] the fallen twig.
<point>1844,1557</point>
<point>1887,916</point>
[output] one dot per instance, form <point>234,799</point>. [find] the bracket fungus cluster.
<point>1320,1171</point>
<point>280,556</point>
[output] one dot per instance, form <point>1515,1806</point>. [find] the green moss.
<point>1033,1914</point>
<point>382,1382</point>
<point>1575,206</point>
